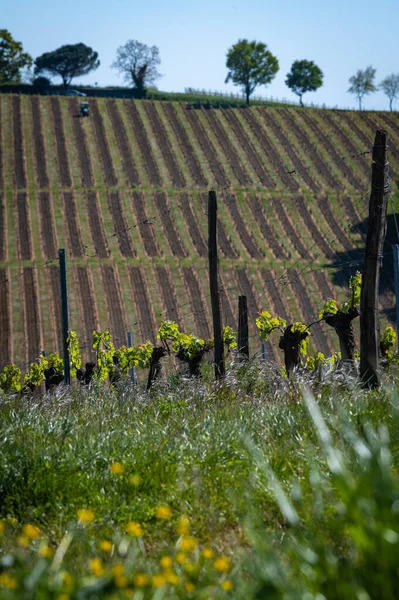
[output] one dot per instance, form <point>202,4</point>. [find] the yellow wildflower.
<point>23,540</point>
<point>181,558</point>
<point>135,479</point>
<point>189,587</point>
<point>117,469</point>
<point>86,516</point>
<point>163,512</point>
<point>66,578</point>
<point>222,564</point>
<point>63,597</point>
<point>106,545</point>
<point>207,553</point>
<point>45,551</point>
<point>227,585</point>
<point>166,562</point>
<point>121,581</point>
<point>97,567</point>
<point>8,581</point>
<point>129,593</point>
<point>171,577</point>
<point>190,568</point>
<point>31,531</point>
<point>141,579</point>
<point>134,529</point>
<point>183,526</point>
<point>158,580</point>
<point>188,543</point>
<point>118,570</point>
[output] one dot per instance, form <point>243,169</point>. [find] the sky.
<point>340,36</point>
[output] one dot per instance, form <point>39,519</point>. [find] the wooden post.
<point>64,315</point>
<point>369,324</point>
<point>242,341</point>
<point>214,284</point>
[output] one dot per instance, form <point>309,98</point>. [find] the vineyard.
<point>125,192</point>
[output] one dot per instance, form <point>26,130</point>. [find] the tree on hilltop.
<point>362,84</point>
<point>69,61</point>
<point>138,63</point>
<point>305,76</point>
<point>250,64</point>
<point>390,87</point>
<point>12,58</point>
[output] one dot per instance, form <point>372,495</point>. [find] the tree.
<point>138,63</point>
<point>362,84</point>
<point>72,60</point>
<point>304,76</point>
<point>390,87</point>
<point>41,82</point>
<point>12,58</point>
<point>250,64</point>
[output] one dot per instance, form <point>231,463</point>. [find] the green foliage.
<point>41,81</point>
<point>362,83</point>
<point>266,324</point>
<point>250,64</point>
<point>305,76</point>
<point>301,329</point>
<point>74,352</point>
<point>355,284</point>
<point>12,58</point>
<point>330,307</point>
<point>390,87</point>
<point>138,64</point>
<point>313,363</point>
<point>36,373</point>
<point>10,379</point>
<point>387,342</point>
<point>105,351</point>
<point>168,330</point>
<point>69,61</point>
<point>53,361</point>
<point>229,337</point>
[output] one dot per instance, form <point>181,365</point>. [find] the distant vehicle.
<point>73,93</point>
<point>84,109</point>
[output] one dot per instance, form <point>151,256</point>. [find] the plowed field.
<point>125,192</point>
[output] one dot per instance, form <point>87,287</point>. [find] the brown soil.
<point>275,295</point>
<point>324,285</point>
<point>146,229</point>
<point>3,231</point>
<point>59,136</point>
<point>271,239</point>
<point>338,228</point>
<point>162,204</point>
<point>120,225</point>
<point>167,150</point>
<point>232,203</point>
<point>145,320</point>
<point>102,145</point>
<point>19,151</point>
<point>194,166</point>
<point>53,274</point>
<point>303,210</point>
<point>87,302</point>
<point>115,308</point>
<point>228,317</point>
<point>71,218</point>
<point>198,306</point>
<point>5,320</point>
<point>283,141</point>
<point>290,231</point>
<point>372,124</point>
<point>168,296</point>
<point>145,148</point>
<point>349,118</point>
<point>224,242</point>
<point>24,233</point>
<point>202,139</point>
<point>32,315</point>
<point>96,227</point>
<point>80,144</point>
<point>192,226</point>
<point>123,142</point>
<point>38,139</point>
<point>48,235</point>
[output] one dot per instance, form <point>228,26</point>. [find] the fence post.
<point>395,249</point>
<point>132,371</point>
<point>243,348</point>
<point>64,315</point>
<point>377,222</point>
<point>214,284</point>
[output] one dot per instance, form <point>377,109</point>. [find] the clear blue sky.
<point>341,36</point>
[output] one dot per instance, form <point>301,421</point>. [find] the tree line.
<point>249,63</point>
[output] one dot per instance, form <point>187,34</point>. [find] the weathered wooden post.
<point>242,338</point>
<point>64,315</point>
<point>377,223</point>
<point>214,284</point>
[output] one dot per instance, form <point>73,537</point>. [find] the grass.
<point>290,497</point>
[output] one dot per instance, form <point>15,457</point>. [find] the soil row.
<point>275,295</point>
<point>60,143</point>
<point>146,324</point>
<point>115,308</point>
<point>243,233</point>
<point>146,229</point>
<point>53,274</point>
<point>225,244</point>
<point>5,321</point>
<point>149,161</point>
<point>283,141</point>
<point>228,317</point>
<point>315,232</point>
<point>168,296</point>
<point>192,226</point>
<point>337,227</point>
<point>307,146</point>
<point>3,231</point>
<point>24,230</point>
<point>198,306</point>
<point>289,230</point>
<point>38,139</point>
<point>270,153</point>
<point>32,315</point>
<point>193,164</point>
<point>373,125</point>
<point>206,147</point>
<point>81,146</point>
<point>19,153</point>
<point>47,228</point>
<point>123,142</point>
<point>71,218</point>
<point>162,204</point>
<point>88,303</point>
<point>167,151</point>
<point>324,285</point>
<point>102,145</point>
<point>96,227</point>
<point>120,225</point>
<point>268,233</point>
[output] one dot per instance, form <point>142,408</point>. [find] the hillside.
<point>125,192</point>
